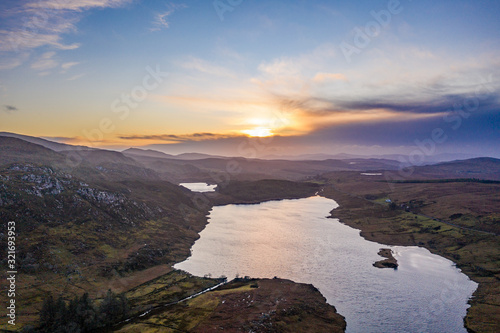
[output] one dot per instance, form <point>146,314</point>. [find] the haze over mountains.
<point>145,152</point>
<point>210,168</point>
<point>428,159</point>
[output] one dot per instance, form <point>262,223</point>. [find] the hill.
<point>480,168</point>
<point>158,154</point>
<point>84,225</point>
<point>91,220</point>
<point>152,164</point>
<point>146,153</point>
<point>16,150</point>
<point>43,142</point>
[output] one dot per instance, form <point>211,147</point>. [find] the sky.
<point>254,78</point>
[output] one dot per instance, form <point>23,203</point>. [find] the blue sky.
<point>298,76</point>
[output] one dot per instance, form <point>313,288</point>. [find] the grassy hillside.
<point>263,190</point>
<point>108,222</point>
<point>480,168</point>
<point>243,305</point>
<point>102,224</point>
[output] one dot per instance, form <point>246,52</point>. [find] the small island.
<point>390,262</point>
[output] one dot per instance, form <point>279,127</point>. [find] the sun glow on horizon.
<point>259,132</point>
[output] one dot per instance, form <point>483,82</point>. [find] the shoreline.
<point>379,225</point>
<point>389,261</point>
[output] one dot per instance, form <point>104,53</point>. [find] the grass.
<point>245,305</point>
<point>264,190</point>
<point>168,288</point>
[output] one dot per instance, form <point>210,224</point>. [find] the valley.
<point>118,221</point>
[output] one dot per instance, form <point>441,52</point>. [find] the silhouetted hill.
<point>146,153</point>
<point>16,150</point>
<point>438,158</point>
<point>151,164</point>
<point>480,168</point>
<point>197,156</point>
<point>45,143</point>
<point>159,154</point>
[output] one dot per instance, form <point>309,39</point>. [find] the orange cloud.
<point>175,138</point>
<point>322,77</point>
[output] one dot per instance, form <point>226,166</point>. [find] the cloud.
<point>175,138</point>
<point>161,19</point>
<point>206,67</point>
<point>76,77</point>
<point>10,108</point>
<point>388,107</point>
<point>68,65</point>
<point>408,84</point>
<point>314,60</point>
<point>322,77</point>
<point>32,24</point>
<point>229,54</point>
<point>31,35</point>
<point>282,66</point>
<point>45,62</point>
<point>292,75</point>
<point>62,139</point>
<point>13,62</point>
<point>446,103</point>
<point>75,5</point>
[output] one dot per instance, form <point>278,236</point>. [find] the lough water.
<point>293,239</point>
<point>199,187</point>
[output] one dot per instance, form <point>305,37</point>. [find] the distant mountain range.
<point>158,154</point>
<point>151,164</point>
<point>56,146</point>
<point>397,157</point>
<point>479,168</point>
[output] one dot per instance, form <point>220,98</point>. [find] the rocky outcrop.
<point>390,262</point>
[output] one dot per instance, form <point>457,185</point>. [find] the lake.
<point>199,187</point>
<point>293,239</point>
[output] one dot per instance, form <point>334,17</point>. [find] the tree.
<point>86,314</point>
<point>48,313</point>
<point>81,315</point>
<point>61,312</point>
<point>112,309</point>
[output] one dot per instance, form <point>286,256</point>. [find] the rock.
<point>390,262</point>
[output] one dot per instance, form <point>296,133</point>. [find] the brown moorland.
<point>246,305</point>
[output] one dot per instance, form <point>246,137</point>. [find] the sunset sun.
<point>260,132</point>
